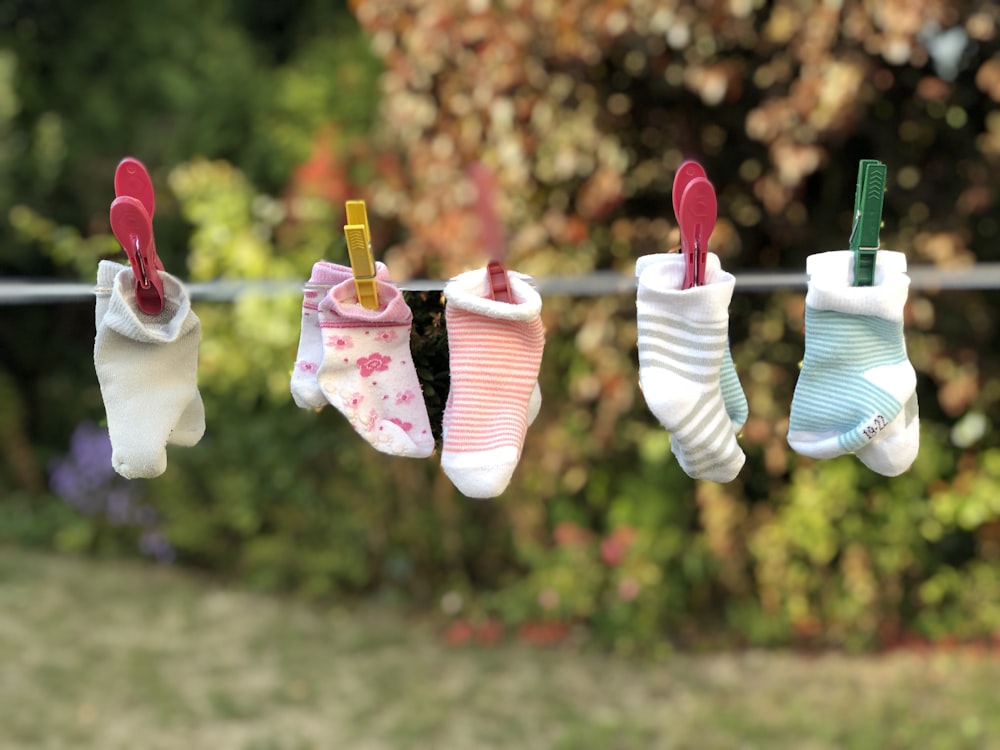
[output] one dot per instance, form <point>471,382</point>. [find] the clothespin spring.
<point>143,279</point>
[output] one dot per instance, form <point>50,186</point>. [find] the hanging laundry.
<point>856,392</point>
<point>495,353</point>
<point>684,362</point>
<point>367,372</point>
<point>686,370</point>
<point>304,383</point>
<point>354,349</point>
<point>146,342</point>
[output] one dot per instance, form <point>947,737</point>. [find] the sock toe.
<point>482,474</point>
<point>145,466</point>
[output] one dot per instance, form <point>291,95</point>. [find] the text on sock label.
<point>875,426</point>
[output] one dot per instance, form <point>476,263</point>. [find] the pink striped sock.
<point>495,351</point>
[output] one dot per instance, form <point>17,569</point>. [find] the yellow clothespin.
<point>359,248</point>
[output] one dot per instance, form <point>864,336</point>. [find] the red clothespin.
<point>499,283</point>
<point>132,224</point>
<point>696,208</point>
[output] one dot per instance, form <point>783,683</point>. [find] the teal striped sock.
<point>732,392</point>
<point>855,377</point>
<point>683,340</point>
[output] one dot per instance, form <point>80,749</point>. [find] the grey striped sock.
<point>683,339</point>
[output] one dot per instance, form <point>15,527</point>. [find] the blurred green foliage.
<point>258,121</point>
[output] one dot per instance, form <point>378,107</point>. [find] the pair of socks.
<point>686,370</point>
<point>304,382</point>
<point>147,368</point>
<point>358,360</point>
<point>856,392</point>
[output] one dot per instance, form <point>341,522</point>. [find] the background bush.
<point>257,123</point>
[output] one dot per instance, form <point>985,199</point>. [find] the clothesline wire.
<point>594,284</point>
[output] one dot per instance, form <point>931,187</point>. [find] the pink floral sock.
<point>304,386</point>
<point>495,351</point>
<point>367,371</point>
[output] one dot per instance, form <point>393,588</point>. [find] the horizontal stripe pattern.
<point>733,396</point>
<point>494,365</point>
<point>832,395</point>
<point>680,364</point>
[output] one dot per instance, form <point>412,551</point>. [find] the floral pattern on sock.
<point>368,375</point>
<point>373,363</point>
<point>340,342</point>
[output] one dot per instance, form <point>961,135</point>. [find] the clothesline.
<point>595,284</point>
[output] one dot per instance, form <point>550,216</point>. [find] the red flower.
<point>373,363</point>
<point>458,633</point>
<point>540,633</point>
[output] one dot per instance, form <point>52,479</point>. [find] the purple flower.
<point>154,544</point>
<point>84,478</point>
<point>86,481</point>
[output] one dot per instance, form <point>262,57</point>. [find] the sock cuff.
<point>838,265</point>
<point>712,263</point>
<point>469,291</point>
<point>660,286</point>
<point>107,270</point>
<point>342,302</point>
<point>175,321</point>
<point>832,275</point>
<point>327,274</point>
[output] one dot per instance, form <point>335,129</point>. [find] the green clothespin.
<point>867,219</point>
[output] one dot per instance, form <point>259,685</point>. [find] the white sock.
<point>147,367</point>
<point>191,426</point>
<point>683,337</point>
<point>857,389</point>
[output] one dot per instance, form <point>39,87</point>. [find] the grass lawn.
<point>115,655</point>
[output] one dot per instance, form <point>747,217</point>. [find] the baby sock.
<point>147,368</point>
<point>495,352</point>
<point>304,385</point>
<point>191,426</point>
<point>683,338</point>
<point>857,389</point>
<point>367,372</point>
<point>733,396</point>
